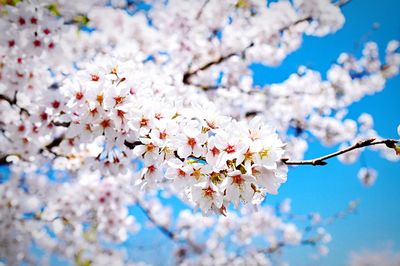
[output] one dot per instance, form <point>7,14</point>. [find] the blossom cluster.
<point>182,139</point>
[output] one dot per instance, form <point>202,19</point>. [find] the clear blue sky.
<point>328,189</point>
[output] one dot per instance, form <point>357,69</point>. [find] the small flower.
<point>148,149</point>
<point>214,155</point>
<point>271,180</point>
<point>207,195</point>
<point>191,141</point>
<point>238,186</point>
<point>367,176</point>
<point>291,235</point>
<point>268,151</point>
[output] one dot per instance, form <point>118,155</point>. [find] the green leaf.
<point>9,2</point>
<point>82,20</point>
<point>90,234</point>
<point>241,4</point>
<point>80,261</point>
<point>53,8</point>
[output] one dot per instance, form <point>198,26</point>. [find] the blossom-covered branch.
<point>242,53</point>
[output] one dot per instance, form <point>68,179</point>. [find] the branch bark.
<point>390,143</point>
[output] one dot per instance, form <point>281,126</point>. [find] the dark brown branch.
<point>54,143</point>
<point>14,103</point>
<point>132,145</point>
<point>8,99</point>
<point>3,160</point>
<point>279,245</point>
<point>390,143</point>
<point>60,124</point>
<point>188,74</point>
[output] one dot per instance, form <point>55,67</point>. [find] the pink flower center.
<point>214,151</point>
<point>88,127</point>
<point>21,21</point>
<point>163,135</point>
<point>79,95</point>
<point>43,116</point>
<point>55,104</point>
<point>119,100</point>
<point>230,149</point>
<point>237,179</point>
<point>93,112</point>
<point>37,43</point>
<point>33,20</point>
<point>181,173</point>
<point>94,77</point>
<point>150,147</point>
<point>208,192</point>
<point>158,116</point>
<point>151,168</point>
<point>191,142</point>
<point>144,122</point>
<point>106,123</point>
<point>121,114</point>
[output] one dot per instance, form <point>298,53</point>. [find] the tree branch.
<point>13,102</point>
<point>202,9</point>
<point>168,233</point>
<point>390,143</point>
<point>279,245</point>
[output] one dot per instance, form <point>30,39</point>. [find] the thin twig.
<point>202,9</point>
<point>167,232</point>
<point>188,74</point>
<point>390,143</point>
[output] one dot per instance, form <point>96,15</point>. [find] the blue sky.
<point>328,189</point>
